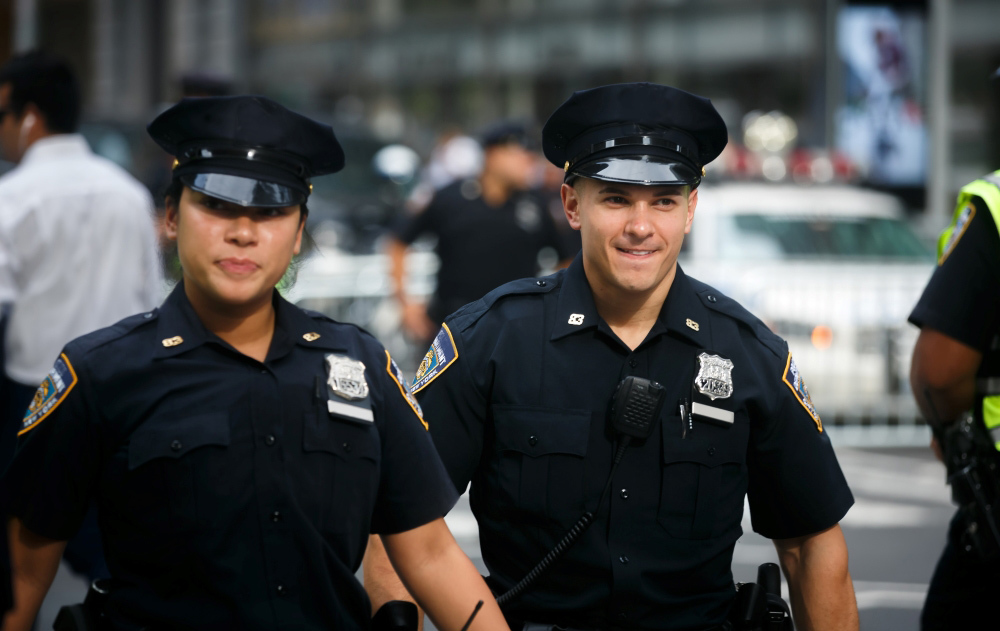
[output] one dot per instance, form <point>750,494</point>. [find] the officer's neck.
<point>247,327</point>
<point>630,314</point>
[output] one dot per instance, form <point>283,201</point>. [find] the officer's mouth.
<point>237,266</point>
<point>636,254</point>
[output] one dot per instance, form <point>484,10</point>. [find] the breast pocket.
<point>342,470</point>
<point>703,484</point>
<point>173,462</point>
<point>540,461</point>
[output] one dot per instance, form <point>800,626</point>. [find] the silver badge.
<point>715,379</point>
<point>346,377</point>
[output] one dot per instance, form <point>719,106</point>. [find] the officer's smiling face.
<point>232,256</point>
<point>631,234</point>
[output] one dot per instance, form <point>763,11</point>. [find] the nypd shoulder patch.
<point>793,379</point>
<point>51,392</point>
<point>441,354</point>
<point>964,217</point>
<point>397,375</point>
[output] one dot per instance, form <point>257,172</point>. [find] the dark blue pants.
<point>962,592</point>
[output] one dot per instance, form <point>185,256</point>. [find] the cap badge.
<point>311,337</point>
<point>714,379</point>
<point>576,319</point>
<point>566,167</point>
<point>692,324</point>
<point>176,340</point>
<point>176,163</point>
<point>346,377</point>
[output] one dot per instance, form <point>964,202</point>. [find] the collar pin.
<point>173,341</point>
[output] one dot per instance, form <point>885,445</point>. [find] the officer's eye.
<point>616,199</point>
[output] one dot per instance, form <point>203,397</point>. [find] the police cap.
<point>635,133</point>
<point>506,132</point>
<point>248,150</point>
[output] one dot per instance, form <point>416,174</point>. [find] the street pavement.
<point>895,532</point>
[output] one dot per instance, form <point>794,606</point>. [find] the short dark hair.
<point>47,82</point>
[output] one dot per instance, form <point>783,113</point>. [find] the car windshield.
<point>755,236</point>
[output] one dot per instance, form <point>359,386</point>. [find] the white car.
<point>835,270</point>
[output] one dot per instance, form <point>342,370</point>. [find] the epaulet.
<point>100,337</point>
<point>322,317</point>
<point>715,300</point>
<point>317,315</point>
<point>472,312</point>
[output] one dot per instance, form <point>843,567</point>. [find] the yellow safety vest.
<point>986,188</point>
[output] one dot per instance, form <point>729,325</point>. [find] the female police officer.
<point>239,449</point>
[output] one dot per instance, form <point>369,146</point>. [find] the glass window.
<point>781,236</point>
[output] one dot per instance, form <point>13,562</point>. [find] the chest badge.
<point>576,318</point>
<point>346,377</point>
<point>715,378</point>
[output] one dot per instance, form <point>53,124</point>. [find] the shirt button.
<point>532,440</point>
<point>347,447</point>
<point>282,590</point>
<point>540,283</point>
<point>711,298</point>
<point>147,315</point>
<point>276,516</point>
<point>270,440</point>
<point>711,451</point>
<point>263,371</point>
<point>623,559</point>
<point>633,363</point>
<point>624,494</point>
<point>177,445</point>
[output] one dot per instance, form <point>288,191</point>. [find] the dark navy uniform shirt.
<point>481,247</point>
<point>962,299</point>
<point>516,388</point>
<point>232,494</point>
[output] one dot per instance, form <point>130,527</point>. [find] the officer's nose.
<point>639,223</point>
<point>242,231</point>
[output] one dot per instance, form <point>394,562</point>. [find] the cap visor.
<point>244,191</point>
<point>648,170</point>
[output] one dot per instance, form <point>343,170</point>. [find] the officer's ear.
<point>571,204</point>
<point>692,204</point>
<point>171,215</point>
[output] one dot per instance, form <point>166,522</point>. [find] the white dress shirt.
<point>78,251</point>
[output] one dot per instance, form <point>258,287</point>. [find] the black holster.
<point>88,615</point>
<point>759,606</point>
<point>396,615</point>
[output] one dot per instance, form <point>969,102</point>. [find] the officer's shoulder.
<point>344,331</point>
<point>726,307</point>
<point>506,300</point>
<point>114,337</point>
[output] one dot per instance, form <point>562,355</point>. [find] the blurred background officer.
<point>956,368</point>
<point>489,231</point>
<point>239,448</point>
<point>77,246</point>
<point>517,386</point>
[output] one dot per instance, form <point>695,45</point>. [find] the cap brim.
<point>645,170</point>
<point>245,191</point>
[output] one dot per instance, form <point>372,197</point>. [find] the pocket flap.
<point>706,452</point>
<point>176,436</point>
<point>537,431</point>
<point>341,436</point>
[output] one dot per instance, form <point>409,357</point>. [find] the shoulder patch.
<point>964,217</point>
<point>397,375</point>
<point>793,379</point>
<point>51,392</point>
<point>439,356</point>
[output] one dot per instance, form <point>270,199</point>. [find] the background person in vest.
<point>956,363</point>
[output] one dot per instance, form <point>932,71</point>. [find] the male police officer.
<point>956,365</point>
<point>517,388</point>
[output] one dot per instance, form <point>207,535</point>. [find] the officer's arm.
<point>34,561</point>
<point>415,320</point>
<point>943,376</point>
<point>381,581</point>
<point>442,578</point>
<point>819,582</point>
